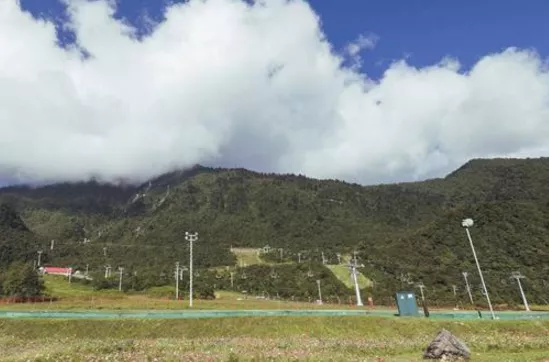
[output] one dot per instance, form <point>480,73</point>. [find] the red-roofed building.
<point>56,271</point>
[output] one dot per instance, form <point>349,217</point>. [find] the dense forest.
<point>405,233</point>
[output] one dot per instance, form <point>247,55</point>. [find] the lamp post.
<point>319,292</point>
<point>121,270</point>
<point>467,223</point>
<point>421,286</point>
<point>353,265</point>
<point>465,274</point>
<point>191,237</point>
<point>177,281</point>
<point>518,276</point>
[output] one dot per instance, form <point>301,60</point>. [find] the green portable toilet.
<point>406,304</point>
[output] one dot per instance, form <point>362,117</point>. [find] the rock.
<point>447,347</point>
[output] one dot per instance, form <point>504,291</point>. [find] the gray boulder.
<point>446,346</point>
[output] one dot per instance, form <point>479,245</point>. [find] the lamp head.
<point>467,223</point>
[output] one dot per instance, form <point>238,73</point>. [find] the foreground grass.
<point>257,338</point>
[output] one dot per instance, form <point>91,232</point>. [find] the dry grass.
<point>278,339</point>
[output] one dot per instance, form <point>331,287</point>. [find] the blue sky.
<point>222,84</point>
<point>423,31</point>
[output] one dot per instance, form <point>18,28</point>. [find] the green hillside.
<point>17,242</point>
<point>405,233</point>
<point>342,273</point>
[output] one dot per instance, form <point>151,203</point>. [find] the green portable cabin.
<point>406,304</point>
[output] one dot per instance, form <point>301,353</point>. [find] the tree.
<point>21,280</point>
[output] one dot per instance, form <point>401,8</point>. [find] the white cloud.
<point>361,43</point>
<point>354,48</point>
<point>224,82</point>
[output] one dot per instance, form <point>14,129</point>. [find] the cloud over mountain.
<point>230,83</point>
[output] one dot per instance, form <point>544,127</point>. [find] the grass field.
<point>342,273</point>
<point>247,256</point>
<point>246,338</point>
<point>262,339</point>
<point>76,296</point>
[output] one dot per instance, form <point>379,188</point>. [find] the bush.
<point>21,280</point>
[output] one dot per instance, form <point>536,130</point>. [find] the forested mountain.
<point>17,242</point>
<point>405,233</point>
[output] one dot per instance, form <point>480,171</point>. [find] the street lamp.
<point>518,276</point>
<point>467,223</point>
<point>319,292</point>
<point>353,265</point>
<point>191,237</point>
<point>465,274</point>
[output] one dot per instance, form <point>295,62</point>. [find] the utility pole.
<point>353,265</point>
<point>454,288</point>
<point>421,286</point>
<point>107,271</point>
<point>191,237</point>
<point>467,223</point>
<point>120,282</point>
<point>319,292</point>
<point>468,287</point>
<point>177,281</point>
<point>232,280</point>
<point>518,276</point>
<point>39,256</point>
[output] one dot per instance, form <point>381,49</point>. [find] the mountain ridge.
<point>410,228</point>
